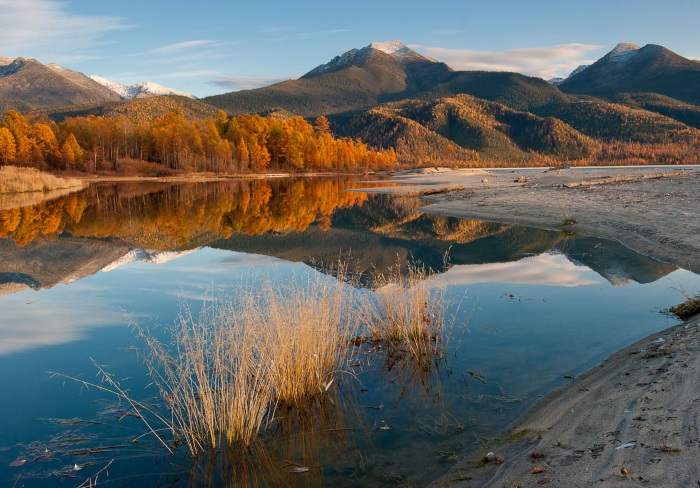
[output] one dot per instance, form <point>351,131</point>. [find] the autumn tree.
<point>7,145</point>
<point>46,142</point>
<point>322,126</point>
<point>20,129</point>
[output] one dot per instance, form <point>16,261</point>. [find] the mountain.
<point>139,90</point>
<point>27,83</point>
<point>141,109</point>
<point>631,69</point>
<point>556,81</point>
<point>384,72</point>
<point>360,78</point>
<point>467,128</point>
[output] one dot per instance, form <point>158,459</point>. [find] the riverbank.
<point>635,419</point>
<point>639,410</point>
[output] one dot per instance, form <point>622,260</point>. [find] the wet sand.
<point>635,419</point>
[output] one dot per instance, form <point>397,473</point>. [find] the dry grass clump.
<point>689,308</point>
<point>212,379</point>
<point>229,368</point>
<point>20,180</point>
<point>308,324</point>
<point>408,314</point>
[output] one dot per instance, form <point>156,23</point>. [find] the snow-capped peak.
<point>398,50</point>
<point>154,257</point>
<point>358,56</point>
<point>579,69</point>
<point>556,81</point>
<point>138,90</point>
<point>395,48</point>
<point>622,52</point>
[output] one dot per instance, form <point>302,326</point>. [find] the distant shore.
<point>635,419</point>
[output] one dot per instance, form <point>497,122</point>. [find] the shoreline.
<point>640,408</point>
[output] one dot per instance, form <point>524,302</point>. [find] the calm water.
<point>530,308</point>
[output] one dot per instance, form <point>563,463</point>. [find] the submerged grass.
<point>21,180</point>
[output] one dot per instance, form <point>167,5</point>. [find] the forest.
<point>171,143</point>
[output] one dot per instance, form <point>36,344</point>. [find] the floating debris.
<point>625,446</point>
<point>297,468</point>
<point>375,407</point>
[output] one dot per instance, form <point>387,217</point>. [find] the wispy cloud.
<point>179,47</point>
<point>545,269</point>
<point>46,29</point>
<point>545,62</point>
<point>235,83</point>
<point>186,54</point>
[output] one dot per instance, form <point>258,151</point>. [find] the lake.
<point>81,274</point>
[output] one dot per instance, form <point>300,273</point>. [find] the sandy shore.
<point>639,410</point>
<point>635,419</point>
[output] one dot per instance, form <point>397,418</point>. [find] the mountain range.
<point>385,72</point>
<point>27,84</point>
<point>391,96</point>
<point>138,90</point>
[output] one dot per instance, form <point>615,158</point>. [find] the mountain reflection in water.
<point>301,220</point>
<point>531,307</point>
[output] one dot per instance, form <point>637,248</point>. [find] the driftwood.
<point>621,179</point>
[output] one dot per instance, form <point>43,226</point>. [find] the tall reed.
<point>211,378</point>
<point>407,312</point>
<point>20,180</point>
<point>308,323</point>
<point>229,367</point>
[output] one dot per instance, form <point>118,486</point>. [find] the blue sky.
<point>225,45</point>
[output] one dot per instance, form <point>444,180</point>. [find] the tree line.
<point>170,216</point>
<point>242,144</point>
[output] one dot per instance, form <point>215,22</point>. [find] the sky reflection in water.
<point>527,312</point>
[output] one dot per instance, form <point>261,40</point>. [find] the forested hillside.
<point>171,142</point>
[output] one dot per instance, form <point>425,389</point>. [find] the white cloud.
<point>545,269</point>
<point>545,62</point>
<point>45,29</point>
<point>235,83</point>
<point>181,46</point>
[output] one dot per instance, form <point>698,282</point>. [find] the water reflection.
<point>544,269</point>
<point>71,266</point>
<point>307,220</point>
